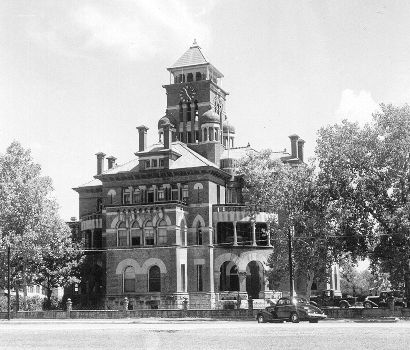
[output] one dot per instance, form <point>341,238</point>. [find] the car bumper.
<point>316,316</point>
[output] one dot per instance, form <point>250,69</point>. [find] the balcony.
<point>91,221</point>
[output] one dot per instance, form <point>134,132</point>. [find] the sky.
<point>78,76</point>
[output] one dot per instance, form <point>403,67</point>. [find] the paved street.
<point>201,334</point>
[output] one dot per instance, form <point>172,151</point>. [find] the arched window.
<point>205,134</point>
<point>199,234</point>
<point>122,234</point>
<point>162,233</point>
<point>136,235</point>
<point>154,279</point>
<point>129,279</point>
<point>149,233</point>
<point>216,138</point>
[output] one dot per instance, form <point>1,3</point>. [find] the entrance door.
<point>253,279</point>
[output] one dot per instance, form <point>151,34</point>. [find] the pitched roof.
<point>192,57</point>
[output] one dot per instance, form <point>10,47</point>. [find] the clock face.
<point>187,93</point>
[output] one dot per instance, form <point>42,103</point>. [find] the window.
<point>149,234</point>
<point>198,187</point>
<point>136,235</point>
<point>162,232</point>
<point>137,196</point>
<point>181,136</point>
<point>205,135</point>
<point>122,235</point>
<point>129,279</point>
<point>147,164</point>
<point>218,194</point>
<point>161,163</point>
<point>150,196</point>
<point>126,196</point>
<point>199,234</point>
<point>188,111</point>
<point>225,232</point>
<point>154,163</point>
<point>183,282</point>
<point>190,77</point>
<point>154,279</point>
<point>198,76</point>
<point>189,137</point>
<point>185,192</point>
<point>38,289</point>
<point>199,278</point>
<point>161,194</point>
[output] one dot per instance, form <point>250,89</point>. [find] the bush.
<point>35,303</point>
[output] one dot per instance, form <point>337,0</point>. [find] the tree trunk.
<point>48,294</point>
<point>24,295</point>
<point>309,282</point>
<point>17,298</point>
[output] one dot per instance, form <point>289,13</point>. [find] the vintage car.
<point>383,299</point>
<point>286,310</point>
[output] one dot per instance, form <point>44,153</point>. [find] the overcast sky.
<point>77,77</point>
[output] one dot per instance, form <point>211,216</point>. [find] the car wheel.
<point>260,319</point>
<point>344,306</point>
<point>294,317</point>
<point>367,305</point>
<point>313,321</point>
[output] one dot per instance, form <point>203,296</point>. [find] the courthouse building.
<point>170,225</point>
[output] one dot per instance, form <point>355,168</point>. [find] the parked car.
<point>330,298</point>
<point>286,310</point>
<point>383,299</point>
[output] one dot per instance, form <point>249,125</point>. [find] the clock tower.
<point>195,103</point>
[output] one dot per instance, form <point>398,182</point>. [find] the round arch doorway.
<point>254,279</point>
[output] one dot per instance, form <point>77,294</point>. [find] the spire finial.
<point>194,44</point>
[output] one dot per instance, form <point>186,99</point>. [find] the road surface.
<point>201,334</point>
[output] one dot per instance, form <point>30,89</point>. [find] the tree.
<point>367,173</point>
<point>294,194</point>
<point>29,222</point>
<point>60,258</point>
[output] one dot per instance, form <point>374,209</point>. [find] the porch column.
<point>235,235</point>
<point>253,232</point>
<point>268,235</point>
<point>242,281</point>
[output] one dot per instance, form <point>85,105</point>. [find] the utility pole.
<point>290,248</point>
<point>8,281</point>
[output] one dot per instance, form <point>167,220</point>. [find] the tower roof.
<point>192,57</point>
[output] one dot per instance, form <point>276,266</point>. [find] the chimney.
<point>293,145</point>
<point>100,162</point>
<point>111,161</point>
<point>167,127</point>
<point>142,136</point>
<point>300,149</point>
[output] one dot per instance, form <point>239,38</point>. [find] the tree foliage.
<point>40,242</point>
<point>366,171</point>
<point>295,195</point>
